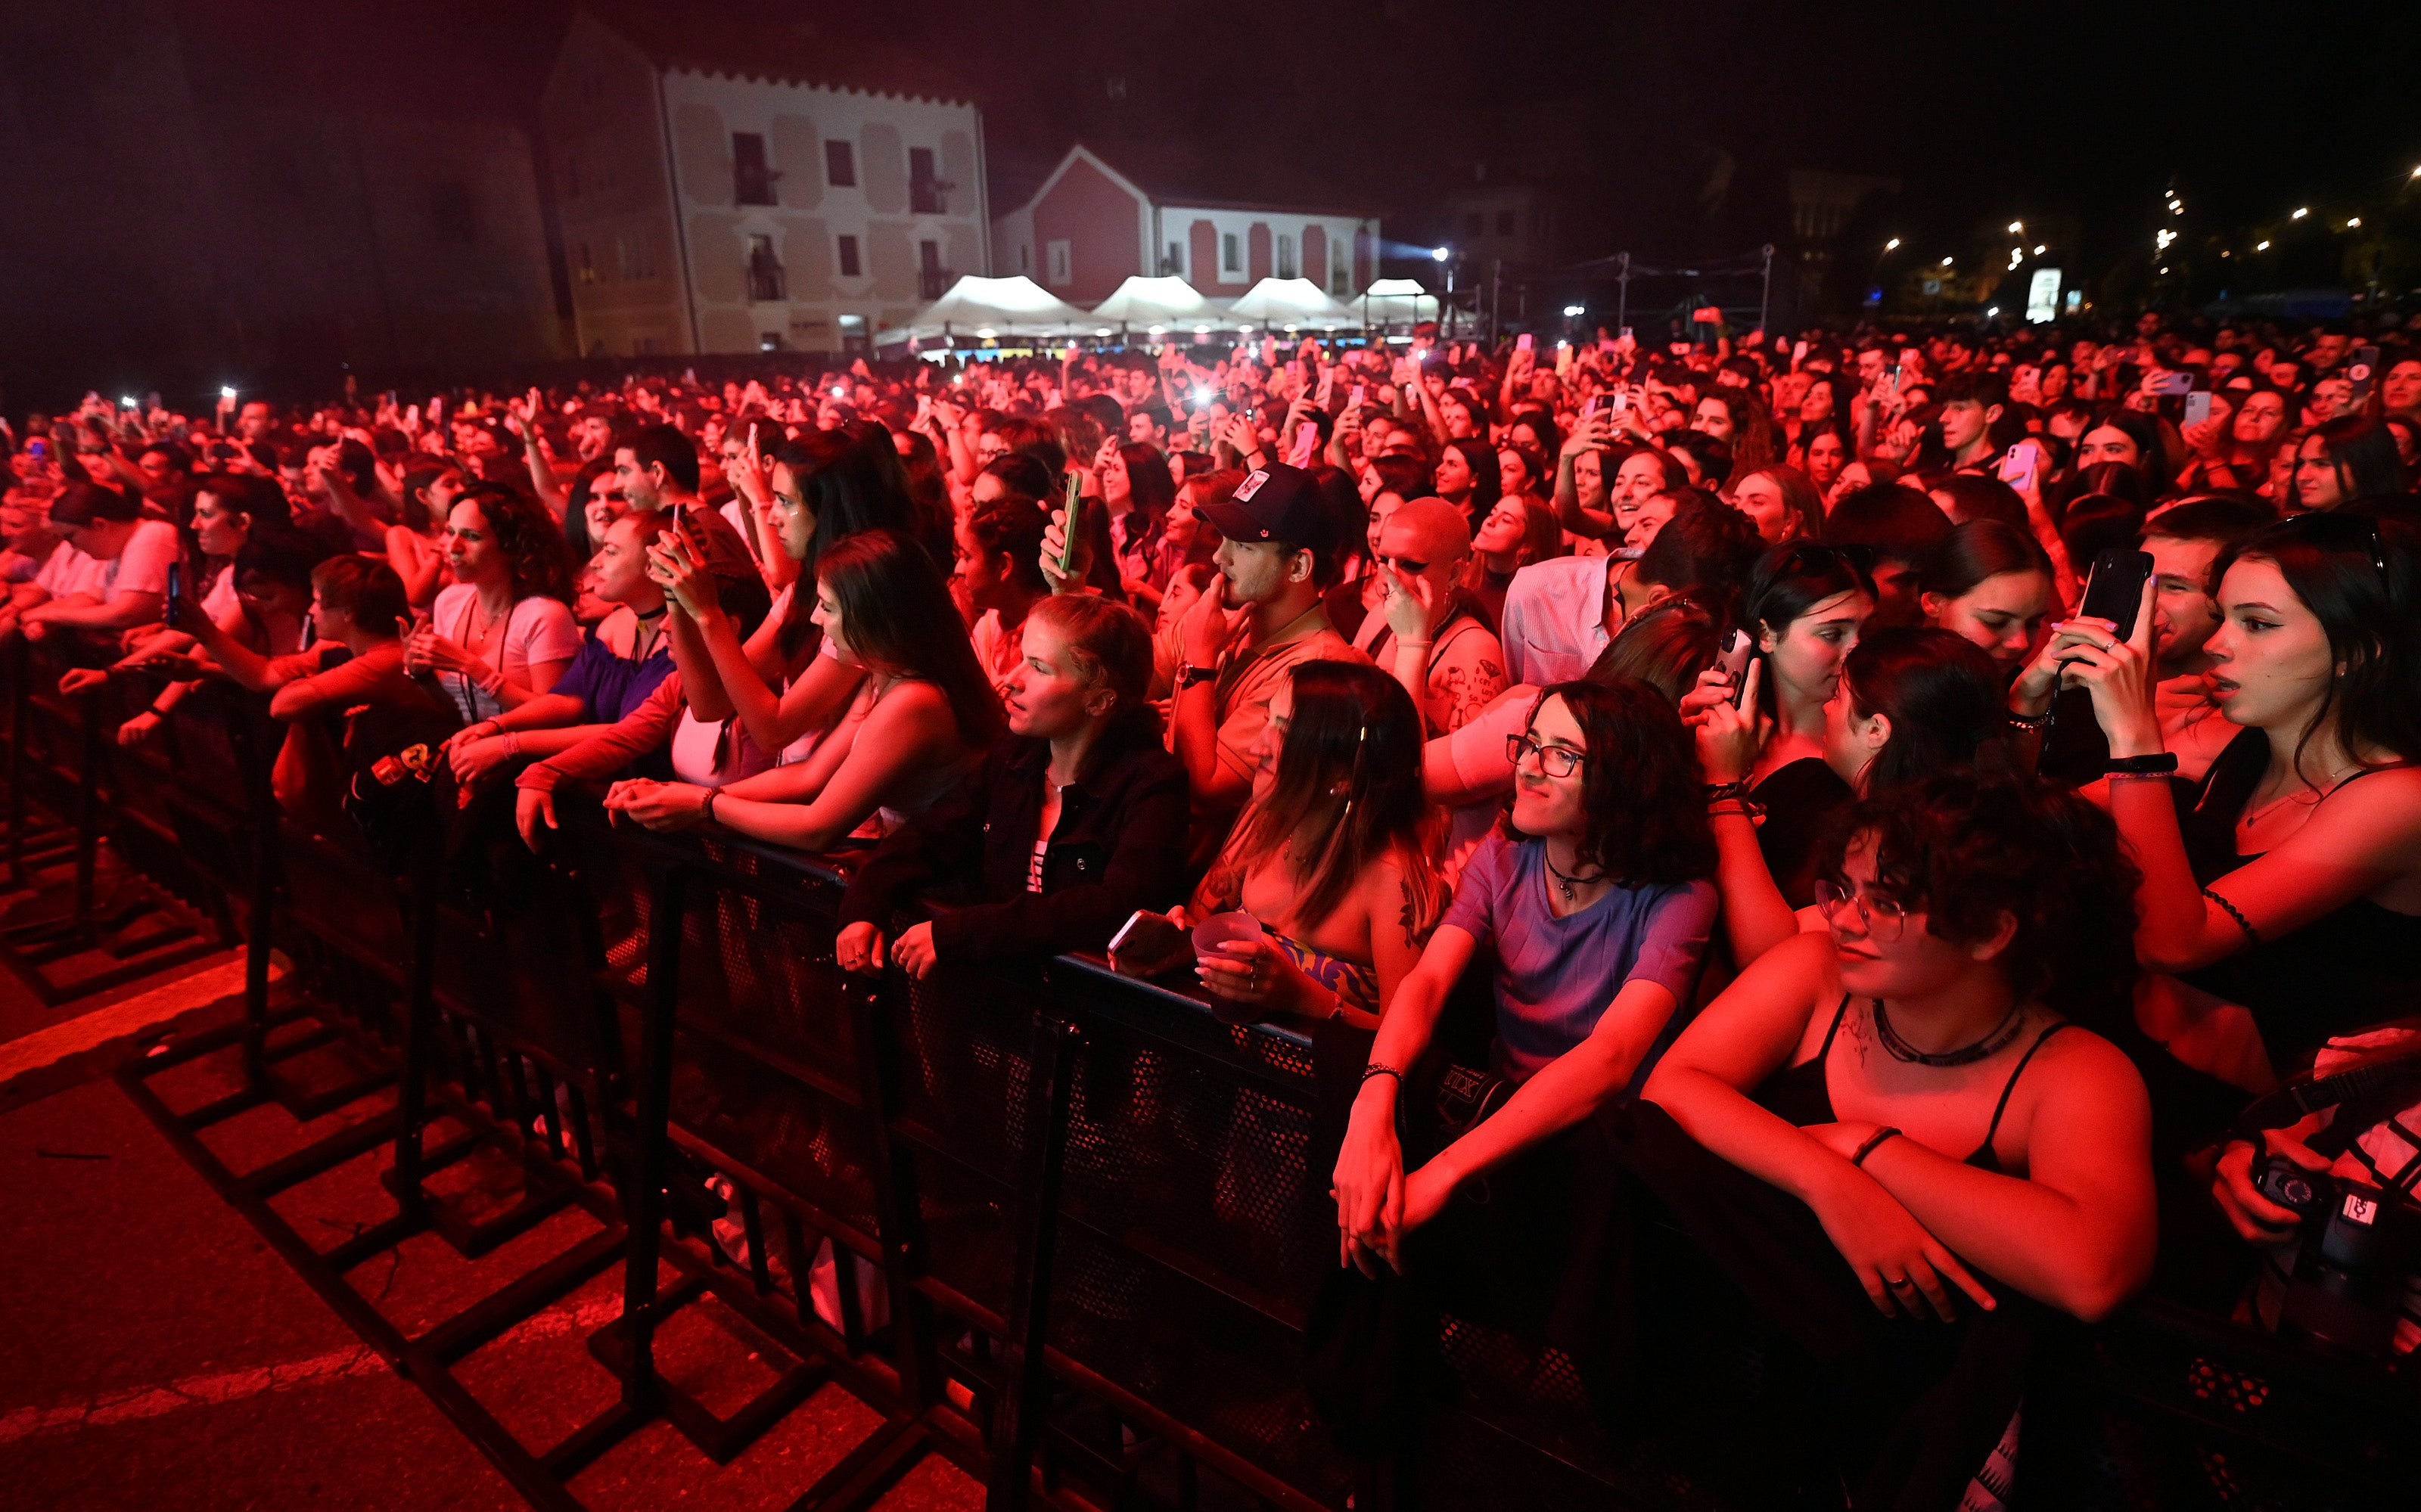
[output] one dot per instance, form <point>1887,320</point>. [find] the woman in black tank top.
<point>1900,1125</point>
<point>2293,886</point>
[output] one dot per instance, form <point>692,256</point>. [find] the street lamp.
<point>2015,226</point>
<point>1573,312</point>
<point>1440,255</point>
<point>2300,214</point>
<point>1893,246</point>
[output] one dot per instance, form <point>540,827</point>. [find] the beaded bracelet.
<point>1381,1069</point>
<point>2252,935</point>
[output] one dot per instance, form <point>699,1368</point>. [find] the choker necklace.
<point>1567,883</point>
<point>647,618</point>
<point>1984,1049</point>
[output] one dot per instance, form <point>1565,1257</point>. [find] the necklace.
<point>1984,1049</point>
<point>1568,884</point>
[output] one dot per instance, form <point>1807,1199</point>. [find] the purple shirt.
<point>1556,977</point>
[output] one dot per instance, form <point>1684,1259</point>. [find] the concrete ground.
<point>156,1355</point>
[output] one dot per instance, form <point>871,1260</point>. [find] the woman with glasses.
<point>1595,895</point>
<point>2291,887</point>
<point>1901,1144</point>
<point>1335,854</point>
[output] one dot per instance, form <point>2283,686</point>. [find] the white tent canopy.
<point>1397,302</point>
<point>975,308</point>
<point>1168,300</point>
<point>1279,303</point>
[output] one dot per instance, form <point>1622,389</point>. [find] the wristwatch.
<point>1188,674</point>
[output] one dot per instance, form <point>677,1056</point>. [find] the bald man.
<point>1451,663</point>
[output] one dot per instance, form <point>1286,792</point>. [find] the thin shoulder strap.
<point>1838,1014</point>
<point>2011,1085</point>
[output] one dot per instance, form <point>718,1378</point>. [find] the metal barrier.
<point>1062,1229</point>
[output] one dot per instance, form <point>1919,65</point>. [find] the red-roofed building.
<point>1095,218</point>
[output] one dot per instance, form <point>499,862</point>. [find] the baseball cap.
<point>1276,503</point>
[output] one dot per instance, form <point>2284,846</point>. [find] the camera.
<point>2355,1247</point>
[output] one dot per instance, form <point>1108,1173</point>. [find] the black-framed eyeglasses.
<point>1882,919</point>
<point>1553,760</point>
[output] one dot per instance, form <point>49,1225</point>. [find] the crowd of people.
<point>1908,799</point>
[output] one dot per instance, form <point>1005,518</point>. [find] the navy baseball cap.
<point>1276,503</point>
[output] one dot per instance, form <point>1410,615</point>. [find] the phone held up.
<point>1732,658</point>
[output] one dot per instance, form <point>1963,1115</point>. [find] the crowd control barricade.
<point>1063,1228</point>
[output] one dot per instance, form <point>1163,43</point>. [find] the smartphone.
<point>2114,590</point>
<point>1306,438</point>
<point>1147,941</point>
<point>1590,408</point>
<point>1732,659</point>
<point>1073,512</point>
<point>2363,370</point>
<point>38,449</point>
<point>1798,353</point>
<point>2198,407</point>
<point>1359,390</point>
<point>176,586</point>
<point>1626,333</point>
<point>2169,385</point>
<point>2018,468</point>
<point>1620,403</point>
<point>1523,342</point>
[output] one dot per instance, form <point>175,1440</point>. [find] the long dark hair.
<point>1645,806</point>
<point>847,494</point>
<point>2362,454</point>
<point>1975,550</point>
<point>1487,476</point>
<point>534,550</point>
<point>1941,692</point>
<point>1966,850</point>
<point>2357,572</point>
<point>1348,791</point>
<point>1151,487</point>
<point>900,620</point>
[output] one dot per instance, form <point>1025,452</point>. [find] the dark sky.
<point>1984,112</point>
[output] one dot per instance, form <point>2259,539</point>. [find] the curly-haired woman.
<point>502,634</point>
<point>1903,1125</point>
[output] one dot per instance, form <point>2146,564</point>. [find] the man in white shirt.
<point>1561,613</point>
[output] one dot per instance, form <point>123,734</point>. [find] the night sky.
<point>1983,112</point>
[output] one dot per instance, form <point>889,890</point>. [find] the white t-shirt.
<point>221,602</point>
<point>143,565</point>
<point>538,630</point>
<point>66,570</point>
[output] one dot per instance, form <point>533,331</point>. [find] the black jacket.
<point>1119,846</point>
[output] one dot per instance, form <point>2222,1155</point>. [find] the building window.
<point>840,165</point>
<point>452,216</point>
<point>1286,255</point>
<point>933,279</point>
<point>770,341</point>
<point>752,182</point>
<point>1174,261</point>
<point>587,267</point>
<point>1341,277</point>
<point>1231,256</point>
<point>925,191</point>
<point>766,284</point>
<point>1059,254</point>
<point>848,263</point>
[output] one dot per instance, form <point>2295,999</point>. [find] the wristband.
<point>2163,765</point>
<point>2027,724</point>
<point>706,812</point>
<point>1859,1160</point>
<point>1378,1068</point>
<point>1188,674</point>
<point>512,743</point>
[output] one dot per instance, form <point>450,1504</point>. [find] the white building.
<point>723,188</point>
<point>1098,217</point>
